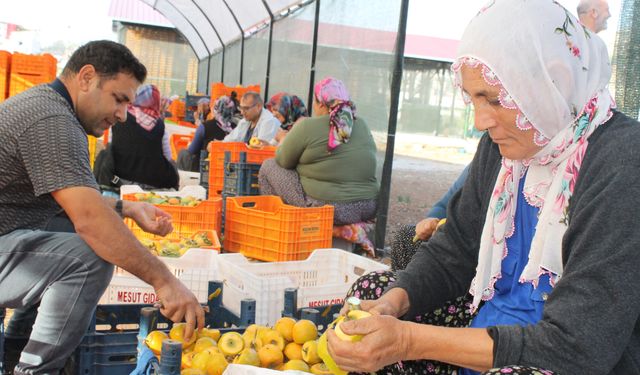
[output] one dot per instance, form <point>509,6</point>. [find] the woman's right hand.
<point>386,340</point>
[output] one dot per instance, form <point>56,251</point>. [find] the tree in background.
<point>626,59</point>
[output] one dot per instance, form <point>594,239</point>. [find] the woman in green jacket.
<point>329,158</point>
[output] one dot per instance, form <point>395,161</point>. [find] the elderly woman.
<point>542,232</point>
<point>214,129</point>
<point>327,159</point>
<point>288,109</point>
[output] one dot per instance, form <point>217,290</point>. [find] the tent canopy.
<point>208,25</point>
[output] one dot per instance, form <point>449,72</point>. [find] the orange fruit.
<point>203,343</point>
<point>270,356</point>
<point>154,341</point>
<point>270,337</point>
<point>304,330</point>
<point>284,325</point>
<point>209,332</point>
<point>293,351</point>
<point>177,333</point>
<point>296,364</point>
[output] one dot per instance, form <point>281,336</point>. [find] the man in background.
<point>594,14</point>
<point>257,122</point>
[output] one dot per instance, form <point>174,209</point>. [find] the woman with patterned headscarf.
<point>214,129</point>
<point>140,145</point>
<point>543,233</point>
<point>329,158</point>
<point>288,109</point>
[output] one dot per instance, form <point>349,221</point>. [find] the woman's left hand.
<point>385,341</point>
<point>149,217</point>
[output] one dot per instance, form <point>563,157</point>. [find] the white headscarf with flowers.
<point>554,72</point>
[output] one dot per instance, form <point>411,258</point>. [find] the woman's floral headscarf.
<point>291,107</point>
<point>342,112</point>
<point>146,107</point>
<point>554,72</point>
<point>224,109</point>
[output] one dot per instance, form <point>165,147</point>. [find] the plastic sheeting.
<point>209,24</point>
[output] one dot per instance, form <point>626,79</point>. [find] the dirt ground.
<point>416,185</point>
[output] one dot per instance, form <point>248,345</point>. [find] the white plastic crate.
<point>195,191</point>
<point>195,269</point>
<point>322,279</point>
<point>189,179</point>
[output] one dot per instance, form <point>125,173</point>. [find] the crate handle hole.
<point>249,204</point>
<point>358,271</point>
<point>128,358</point>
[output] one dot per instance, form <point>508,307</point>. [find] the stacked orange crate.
<point>263,227</point>
<point>219,89</point>
<point>177,109</point>
<point>30,70</point>
<point>216,161</point>
<point>5,69</point>
<point>186,220</point>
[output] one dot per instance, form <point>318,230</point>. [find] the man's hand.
<point>385,341</point>
<point>426,227</point>
<point>149,217</point>
<point>178,303</point>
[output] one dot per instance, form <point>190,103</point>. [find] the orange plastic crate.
<point>186,220</point>
<point>93,144</point>
<point>219,89</point>
<point>177,108</point>
<point>216,161</point>
<point>5,71</point>
<point>179,142</point>
<point>44,64</point>
<point>263,227</point>
<point>21,82</point>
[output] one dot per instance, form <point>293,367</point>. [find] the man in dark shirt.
<point>59,238</point>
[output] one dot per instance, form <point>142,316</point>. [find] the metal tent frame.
<point>209,26</point>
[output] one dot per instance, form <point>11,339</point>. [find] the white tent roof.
<point>208,24</point>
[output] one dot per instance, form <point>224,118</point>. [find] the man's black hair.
<point>108,58</point>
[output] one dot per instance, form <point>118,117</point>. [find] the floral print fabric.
<point>291,107</point>
<point>342,112</point>
<point>357,234</point>
<point>224,109</point>
<point>146,107</point>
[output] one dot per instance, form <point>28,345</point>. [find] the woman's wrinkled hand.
<point>385,341</point>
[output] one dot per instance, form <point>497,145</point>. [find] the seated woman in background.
<point>216,128</point>
<point>139,152</point>
<point>288,109</point>
<point>329,158</point>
